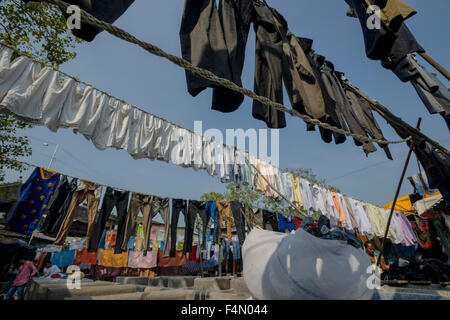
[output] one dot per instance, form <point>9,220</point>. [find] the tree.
<point>40,30</point>
<point>246,195</point>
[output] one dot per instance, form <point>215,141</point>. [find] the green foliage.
<point>40,30</point>
<point>254,199</point>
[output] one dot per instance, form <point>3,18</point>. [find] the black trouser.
<point>178,205</point>
<point>57,212</point>
<point>215,39</point>
<point>112,198</point>
<point>238,210</point>
<point>268,66</point>
<point>57,201</point>
<point>270,221</point>
<point>195,207</point>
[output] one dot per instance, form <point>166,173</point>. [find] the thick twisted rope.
<point>115,31</point>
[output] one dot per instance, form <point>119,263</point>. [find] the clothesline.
<point>86,17</point>
<point>30,114</point>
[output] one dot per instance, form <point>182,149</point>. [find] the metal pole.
<point>53,156</point>
<point>396,195</point>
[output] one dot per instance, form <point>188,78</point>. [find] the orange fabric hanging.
<point>86,257</point>
<point>340,210</point>
<point>176,261</point>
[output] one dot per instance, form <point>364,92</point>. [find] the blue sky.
<point>128,72</point>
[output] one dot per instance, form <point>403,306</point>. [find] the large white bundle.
<point>303,267</point>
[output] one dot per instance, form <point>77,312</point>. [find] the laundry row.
<point>47,192</point>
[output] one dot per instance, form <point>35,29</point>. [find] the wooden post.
<point>436,65</point>
<point>396,196</point>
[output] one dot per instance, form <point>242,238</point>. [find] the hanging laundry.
<point>298,200</point>
<point>138,244</point>
<point>104,10</point>
<point>268,64</point>
<point>379,41</point>
<point>85,189</point>
<point>255,217</point>
<point>422,230</point>
<point>215,39</point>
<point>362,112</point>
<point>194,208</point>
<point>224,214</point>
<point>332,118</point>
<point>212,212</point>
<point>435,162</point>
<point>57,209</point>
<point>109,259</point>
<point>161,206</point>
<point>178,205</point>
<point>63,258</point>
<point>238,211</point>
<point>138,260</point>
<point>138,203</point>
<point>285,223</point>
<point>86,257</point>
<point>111,199</point>
<point>35,194</point>
<point>270,221</point>
<point>433,93</point>
<point>178,260</point>
<point>156,245</point>
<point>409,237</point>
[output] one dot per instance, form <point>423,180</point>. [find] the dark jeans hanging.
<point>238,211</point>
<point>195,207</point>
<point>178,205</point>
<point>268,66</point>
<point>57,211</point>
<point>112,198</point>
<point>215,39</point>
<point>55,204</point>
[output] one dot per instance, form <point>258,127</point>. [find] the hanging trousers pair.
<point>238,211</point>
<point>112,198</point>
<point>59,206</point>
<point>194,208</point>
<point>161,206</point>
<point>224,210</point>
<point>211,213</point>
<point>139,202</point>
<point>88,192</point>
<point>178,205</point>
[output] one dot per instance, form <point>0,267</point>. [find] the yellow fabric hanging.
<point>403,204</point>
<point>109,259</point>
